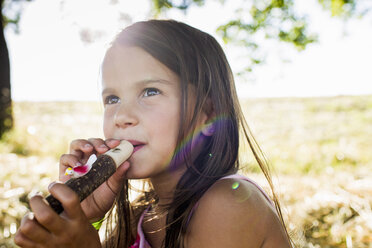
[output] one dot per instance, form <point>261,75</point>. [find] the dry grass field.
<point>320,150</point>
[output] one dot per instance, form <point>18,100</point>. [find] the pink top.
<point>141,242</point>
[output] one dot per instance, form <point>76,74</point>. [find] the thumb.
<point>115,182</point>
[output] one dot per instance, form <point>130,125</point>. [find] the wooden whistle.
<point>105,165</point>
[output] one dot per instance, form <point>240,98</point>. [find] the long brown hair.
<point>198,59</point>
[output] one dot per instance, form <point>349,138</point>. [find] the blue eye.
<point>111,99</point>
<point>151,92</point>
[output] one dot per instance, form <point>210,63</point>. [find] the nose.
<point>125,116</point>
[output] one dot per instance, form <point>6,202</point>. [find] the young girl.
<point>168,89</point>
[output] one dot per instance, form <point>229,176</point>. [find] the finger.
<point>83,149</point>
<point>80,147</point>
<point>32,231</point>
<point>99,145</point>
<point>115,182</point>
<point>112,143</point>
<point>45,216</point>
<point>21,240</point>
<point>69,199</point>
<point>66,161</point>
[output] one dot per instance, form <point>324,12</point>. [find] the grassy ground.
<point>319,148</point>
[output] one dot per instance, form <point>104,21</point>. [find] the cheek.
<point>107,124</point>
<point>164,126</point>
<point>170,123</point>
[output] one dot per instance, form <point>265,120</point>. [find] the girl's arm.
<point>234,213</point>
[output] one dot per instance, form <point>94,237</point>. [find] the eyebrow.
<point>153,80</point>
<point>142,82</point>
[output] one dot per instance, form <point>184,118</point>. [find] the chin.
<point>134,173</point>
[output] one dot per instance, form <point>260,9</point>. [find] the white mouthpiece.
<point>121,153</point>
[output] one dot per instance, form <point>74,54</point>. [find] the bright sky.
<point>49,61</point>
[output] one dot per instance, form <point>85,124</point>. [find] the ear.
<point>208,115</point>
<point>208,130</point>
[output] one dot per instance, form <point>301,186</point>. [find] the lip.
<point>136,145</point>
<point>136,148</point>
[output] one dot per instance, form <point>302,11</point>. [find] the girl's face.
<point>142,105</point>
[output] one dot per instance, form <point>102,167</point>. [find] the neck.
<point>165,185</point>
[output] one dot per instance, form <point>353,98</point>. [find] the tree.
<point>6,120</point>
<point>272,19</point>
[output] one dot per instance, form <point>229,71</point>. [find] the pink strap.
<point>141,242</point>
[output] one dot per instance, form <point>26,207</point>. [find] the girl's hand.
<point>100,201</point>
<point>45,228</point>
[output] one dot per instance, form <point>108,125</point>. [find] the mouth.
<point>136,145</point>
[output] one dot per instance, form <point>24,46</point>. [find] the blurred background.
<point>302,69</point>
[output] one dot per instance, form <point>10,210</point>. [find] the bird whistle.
<point>105,165</point>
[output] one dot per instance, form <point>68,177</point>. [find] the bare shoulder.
<point>235,213</point>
